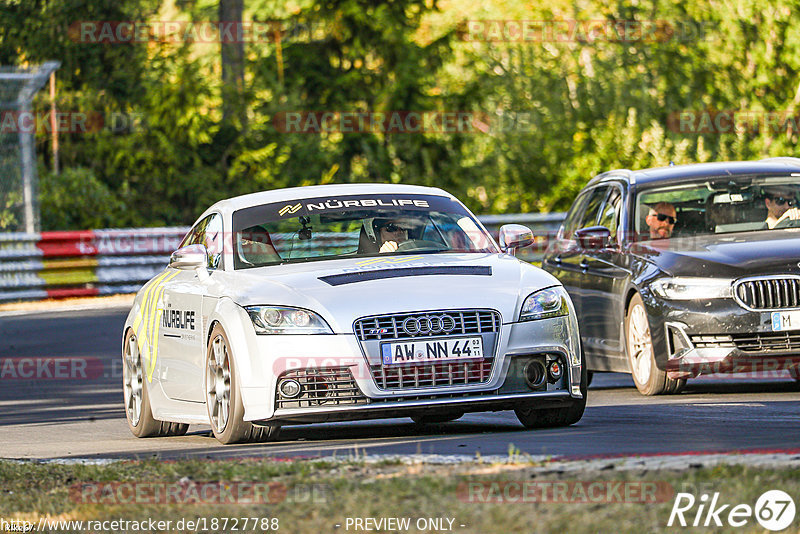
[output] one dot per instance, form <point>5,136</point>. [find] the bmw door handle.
<point>583,265</point>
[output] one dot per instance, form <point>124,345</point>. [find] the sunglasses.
<point>392,228</point>
<point>669,218</point>
<point>780,201</point>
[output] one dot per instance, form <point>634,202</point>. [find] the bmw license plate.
<point>785,321</point>
<point>432,350</point>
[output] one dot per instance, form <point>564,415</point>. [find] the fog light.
<point>535,374</point>
<point>289,388</point>
<point>555,370</point>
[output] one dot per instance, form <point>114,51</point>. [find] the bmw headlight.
<point>280,320</point>
<point>692,288</point>
<point>545,303</point>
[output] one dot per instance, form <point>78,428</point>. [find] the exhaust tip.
<point>535,374</point>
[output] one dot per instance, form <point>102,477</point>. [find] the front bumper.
<point>350,377</point>
<point>719,336</point>
<point>479,402</point>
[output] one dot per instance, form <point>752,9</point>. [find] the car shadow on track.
<point>624,429</point>
<point>718,384</point>
<point>342,439</point>
<point>734,386</point>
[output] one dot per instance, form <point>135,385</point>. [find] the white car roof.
<point>227,206</point>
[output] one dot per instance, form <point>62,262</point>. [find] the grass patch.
<point>314,496</point>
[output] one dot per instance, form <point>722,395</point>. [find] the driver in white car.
<point>391,232</point>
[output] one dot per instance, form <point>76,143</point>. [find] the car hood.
<point>732,255</point>
<point>344,290</point>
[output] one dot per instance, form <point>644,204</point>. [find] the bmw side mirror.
<point>189,257</point>
<point>593,238</point>
<point>514,236</point>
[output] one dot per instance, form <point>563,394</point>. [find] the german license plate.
<point>432,350</point>
<point>785,321</point>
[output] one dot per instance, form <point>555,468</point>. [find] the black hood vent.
<point>380,274</point>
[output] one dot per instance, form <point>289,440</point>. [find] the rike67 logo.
<point>774,510</point>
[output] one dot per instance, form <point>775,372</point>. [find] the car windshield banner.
<point>366,205</point>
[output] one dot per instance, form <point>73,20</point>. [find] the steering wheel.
<point>415,244</point>
<point>788,223</point>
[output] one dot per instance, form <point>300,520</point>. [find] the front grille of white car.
<point>433,375</point>
<point>391,326</point>
<point>429,324</point>
<point>331,386</point>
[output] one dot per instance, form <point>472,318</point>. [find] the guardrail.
<point>86,263</point>
<point>106,262</point>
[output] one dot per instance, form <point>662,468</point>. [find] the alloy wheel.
<point>218,384</point>
<point>132,381</point>
<point>640,344</point>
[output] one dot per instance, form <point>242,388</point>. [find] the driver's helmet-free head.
<point>374,226</point>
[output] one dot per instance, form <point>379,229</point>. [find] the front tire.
<point>223,396</point>
<point>649,379</point>
<point>137,398</point>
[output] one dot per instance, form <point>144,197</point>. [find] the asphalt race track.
<point>62,416</point>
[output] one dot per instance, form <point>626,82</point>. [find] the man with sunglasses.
<point>391,233</point>
<point>661,219</point>
<point>781,206</point>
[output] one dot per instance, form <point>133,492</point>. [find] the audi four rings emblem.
<point>429,324</point>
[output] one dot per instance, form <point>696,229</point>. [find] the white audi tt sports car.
<point>344,302</point>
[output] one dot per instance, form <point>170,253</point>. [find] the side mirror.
<point>189,257</point>
<point>514,236</point>
<point>593,238</point>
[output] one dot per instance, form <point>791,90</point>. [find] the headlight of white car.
<point>280,320</point>
<point>545,303</point>
<point>692,288</point>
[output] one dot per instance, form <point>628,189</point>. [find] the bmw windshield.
<point>354,226</point>
<point>719,206</point>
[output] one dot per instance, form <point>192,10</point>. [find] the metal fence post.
<point>18,188</point>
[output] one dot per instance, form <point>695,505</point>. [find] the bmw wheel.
<point>223,397</point>
<point>137,399</point>
<point>649,379</point>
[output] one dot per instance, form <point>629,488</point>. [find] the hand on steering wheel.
<point>789,219</point>
<point>388,246</point>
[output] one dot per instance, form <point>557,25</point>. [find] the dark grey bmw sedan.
<point>686,270</point>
